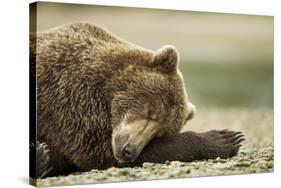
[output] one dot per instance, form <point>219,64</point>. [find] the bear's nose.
<point>130,152</point>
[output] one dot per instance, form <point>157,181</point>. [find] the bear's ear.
<point>166,58</point>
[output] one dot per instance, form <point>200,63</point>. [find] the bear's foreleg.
<point>190,146</point>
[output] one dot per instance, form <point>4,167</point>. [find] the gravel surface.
<point>255,156</point>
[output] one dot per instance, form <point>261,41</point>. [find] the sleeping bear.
<point>103,101</point>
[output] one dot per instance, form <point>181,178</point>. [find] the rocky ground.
<point>255,156</point>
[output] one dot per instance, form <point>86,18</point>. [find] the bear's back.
<point>72,42</point>
<point>82,31</point>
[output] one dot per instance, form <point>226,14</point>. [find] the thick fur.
<point>83,73</point>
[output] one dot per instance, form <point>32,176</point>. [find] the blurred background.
<point>226,59</point>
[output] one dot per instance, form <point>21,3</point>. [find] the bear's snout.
<point>129,139</point>
<point>124,150</point>
<point>129,152</point>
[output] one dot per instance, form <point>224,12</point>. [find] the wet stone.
<point>243,164</point>
<point>147,165</point>
<point>270,164</point>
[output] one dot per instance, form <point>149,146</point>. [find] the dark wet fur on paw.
<point>190,146</point>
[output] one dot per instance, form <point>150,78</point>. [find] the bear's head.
<point>151,101</point>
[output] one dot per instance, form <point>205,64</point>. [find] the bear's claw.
<point>223,144</point>
<point>42,160</point>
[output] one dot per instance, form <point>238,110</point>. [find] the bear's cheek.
<point>191,110</point>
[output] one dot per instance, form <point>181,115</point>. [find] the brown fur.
<point>90,83</point>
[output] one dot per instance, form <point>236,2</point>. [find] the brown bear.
<point>103,101</point>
